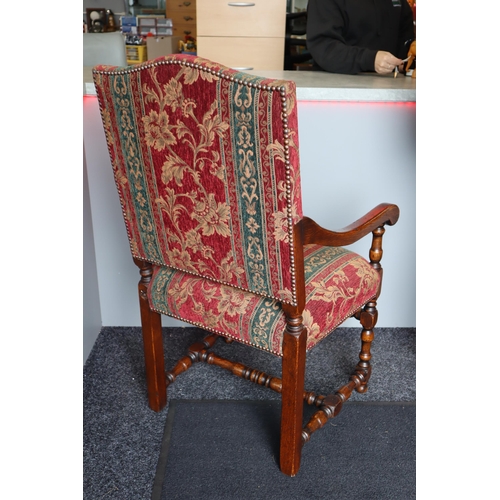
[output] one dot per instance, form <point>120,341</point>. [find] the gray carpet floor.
<point>122,437</point>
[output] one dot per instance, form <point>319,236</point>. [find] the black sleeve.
<point>326,44</point>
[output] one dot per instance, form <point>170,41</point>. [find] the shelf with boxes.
<point>154,25</point>
<point>148,37</point>
<point>144,48</point>
<point>145,24</point>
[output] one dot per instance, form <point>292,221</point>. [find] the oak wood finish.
<point>242,35</point>
<point>193,356</point>
<point>382,214</point>
<point>292,395</point>
<point>243,52</point>
<point>183,15</point>
<point>259,18</point>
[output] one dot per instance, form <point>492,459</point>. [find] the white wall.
<point>353,157</point>
<point>117,274</point>
<point>91,304</point>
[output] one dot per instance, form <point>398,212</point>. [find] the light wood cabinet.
<point>242,35</point>
<point>243,53</point>
<point>183,14</point>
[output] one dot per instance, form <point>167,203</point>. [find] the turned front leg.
<point>369,315</point>
<point>292,395</point>
<point>363,369</point>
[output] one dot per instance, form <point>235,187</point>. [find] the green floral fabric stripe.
<point>264,325</point>
<point>244,103</point>
<point>318,258</point>
<point>203,170</point>
<point>123,100</point>
<point>243,316</point>
<point>230,180</point>
<point>339,282</point>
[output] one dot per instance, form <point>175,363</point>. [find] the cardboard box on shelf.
<point>162,46</point>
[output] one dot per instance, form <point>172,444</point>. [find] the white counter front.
<point>357,149</point>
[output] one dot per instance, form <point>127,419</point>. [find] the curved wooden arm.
<point>385,213</point>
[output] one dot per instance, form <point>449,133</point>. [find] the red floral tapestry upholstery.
<point>206,164</point>
<point>333,293</point>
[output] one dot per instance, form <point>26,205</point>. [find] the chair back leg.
<point>153,343</point>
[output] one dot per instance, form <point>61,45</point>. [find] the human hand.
<point>385,62</point>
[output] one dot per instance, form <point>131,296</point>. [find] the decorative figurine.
<point>412,56</point>
<point>413,5</point>
<point>111,20</point>
<point>188,46</point>
<point>96,20</point>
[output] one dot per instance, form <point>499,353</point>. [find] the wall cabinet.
<point>242,35</point>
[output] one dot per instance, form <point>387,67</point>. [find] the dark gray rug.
<point>122,437</point>
<point>229,450</point>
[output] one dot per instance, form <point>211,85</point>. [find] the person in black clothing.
<point>351,36</point>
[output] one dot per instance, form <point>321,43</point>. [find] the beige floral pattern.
<point>199,165</point>
<point>185,192</point>
<point>330,299</point>
<point>207,169</point>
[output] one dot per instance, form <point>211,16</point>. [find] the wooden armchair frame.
<point>291,385</point>
<point>141,114</point>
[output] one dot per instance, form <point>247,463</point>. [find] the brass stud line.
<point>286,145</point>
<point>217,332</point>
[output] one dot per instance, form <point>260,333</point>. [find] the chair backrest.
<point>206,163</point>
<point>104,48</point>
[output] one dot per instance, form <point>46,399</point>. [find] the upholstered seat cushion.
<point>338,283</point>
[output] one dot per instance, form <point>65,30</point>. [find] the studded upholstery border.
<point>206,164</point>
<point>333,293</point>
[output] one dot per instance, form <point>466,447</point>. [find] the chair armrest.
<point>385,213</point>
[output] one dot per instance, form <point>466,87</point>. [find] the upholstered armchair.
<point>206,163</point>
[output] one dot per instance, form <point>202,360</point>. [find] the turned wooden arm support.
<point>307,232</point>
<point>383,214</point>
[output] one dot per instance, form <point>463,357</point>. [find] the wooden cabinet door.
<point>257,18</point>
<point>243,53</point>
